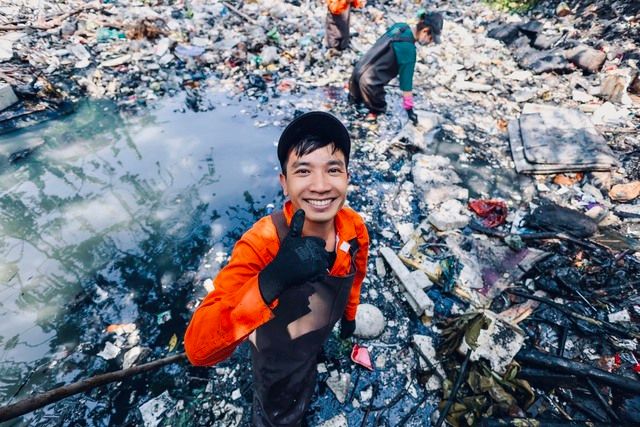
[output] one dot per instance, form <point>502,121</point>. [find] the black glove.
<point>412,116</point>
<point>347,327</point>
<point>298,260</point>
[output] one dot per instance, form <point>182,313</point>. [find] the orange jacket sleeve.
<point>361,267</point>
<point>235,307</point>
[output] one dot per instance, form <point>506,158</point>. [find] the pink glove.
<point>407,102</point>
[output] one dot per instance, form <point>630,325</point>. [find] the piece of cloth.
<point>235,308</point>
<point>494,212</point>
<point>393,54</point>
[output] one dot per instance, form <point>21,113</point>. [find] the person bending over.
<point>393,54</point>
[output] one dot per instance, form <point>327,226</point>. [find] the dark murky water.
<point>119,220</point>
<point>107,223</point>
<point>482,171</point>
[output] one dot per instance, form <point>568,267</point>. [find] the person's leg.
<point>373,95</point>
<point>355,96</point>
<point>343,25</point>
<point>337,30</point>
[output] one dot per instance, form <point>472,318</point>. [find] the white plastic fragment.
<point>450,215</point>
<point>339,420</point>
<point>426,347</point>
<point>7,96</point>
<point>619,316</point>
<point>131,356</point>
<point>381,270</point>
<point>366,394</point>
<point>153,410</point>
<point>110,351</point>
<point>208,285</point>
<point>339,385</point>
<point>116,61</point>
<point>269,55</point>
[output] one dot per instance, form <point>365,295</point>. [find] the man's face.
<point>316,183</point>
<point>425,36</point>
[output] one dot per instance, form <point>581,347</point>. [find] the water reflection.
<point>106,222</point>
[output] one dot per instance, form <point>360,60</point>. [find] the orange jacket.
<point>336,7</point>
<point>235,307</point>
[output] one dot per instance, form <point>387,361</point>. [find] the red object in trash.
<point>494,212</point>
<point>617,359</point>
<point>636,368</point>
<point>360,355</point>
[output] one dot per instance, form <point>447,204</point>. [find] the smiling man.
<point>291,277</point>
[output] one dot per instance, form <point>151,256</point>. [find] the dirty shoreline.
<point>501,268</point>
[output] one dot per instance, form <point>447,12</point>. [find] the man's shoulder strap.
<point>399,34</point>
<point>353,246</point>
<point>281,224</point>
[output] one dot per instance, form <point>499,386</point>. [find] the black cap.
<point>319,124</point>
<point>434,21</point>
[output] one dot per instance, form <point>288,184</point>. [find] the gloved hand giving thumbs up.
<point>298,260</point>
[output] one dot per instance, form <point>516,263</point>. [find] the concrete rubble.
<point>494,74</point>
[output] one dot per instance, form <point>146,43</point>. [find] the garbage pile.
<point>505,227</point>
<point>136,52</point>
<point>527,292</point>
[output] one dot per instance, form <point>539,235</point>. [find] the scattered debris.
<point>7,96</point>
<point>625,192</point>
<point>338,383</point>
<point>110,351</point>
<point>496,341</point>
<point>155,410</point>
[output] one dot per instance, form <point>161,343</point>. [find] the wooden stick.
<point>599,323</point>
<point>454,390</point>
<point>544,378</point>
<point>580,406</point>
<point>603,401</point>
<point>476,226</point>
<point>532,422</point>
<point>38,401</point>
<point>576,368</point>
<point>240,14</point>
